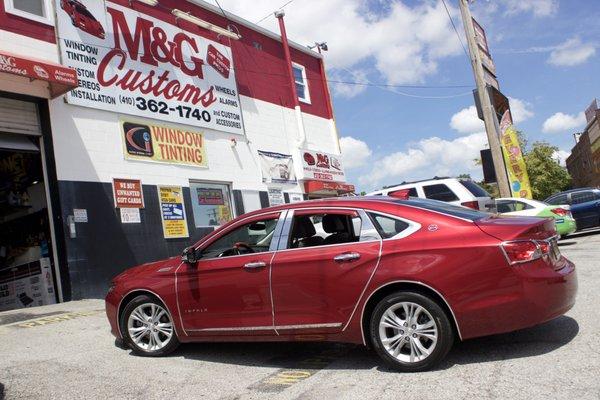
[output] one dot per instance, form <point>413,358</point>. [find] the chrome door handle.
<point>346,257</point>
<point>255,265</point>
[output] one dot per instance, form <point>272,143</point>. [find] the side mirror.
<point>190,255</point>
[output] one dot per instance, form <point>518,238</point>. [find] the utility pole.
<point>490,120</point>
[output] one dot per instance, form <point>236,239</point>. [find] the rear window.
<point>557,200</point>
<point>445,208</point>
<point>475,189</point>
<point>439,192</point>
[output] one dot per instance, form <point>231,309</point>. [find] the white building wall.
<point>88,146</point>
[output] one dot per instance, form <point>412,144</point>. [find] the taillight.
<point>471,204</point>
<point>522,251</point>
<point>400,194</point>
<point>560,211</point>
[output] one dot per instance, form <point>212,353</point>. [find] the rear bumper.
<point>542,294</point>
<point>566,227</point>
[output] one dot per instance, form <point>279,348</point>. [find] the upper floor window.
<point>301,82</point>
<point>35,10</point>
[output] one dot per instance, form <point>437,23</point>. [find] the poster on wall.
<point>132,63</point>
<point>513,158</point>
<point>162,143</point>
<point>277,167</point>
<point>128,193</point>
<point>172,211</point>
<point>322,166</point>
<point>275,196</point>
<point>130,215</point>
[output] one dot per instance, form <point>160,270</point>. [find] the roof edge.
<point>253,26</point>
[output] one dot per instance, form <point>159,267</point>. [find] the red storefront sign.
<point>128,193</point>
<point>320,187</point>
<point>62,79</point>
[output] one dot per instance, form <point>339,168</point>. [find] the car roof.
<point>573,191</point>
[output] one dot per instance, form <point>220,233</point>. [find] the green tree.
<point>546,175</point>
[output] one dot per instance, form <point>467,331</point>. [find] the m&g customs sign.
<point>131,63</point>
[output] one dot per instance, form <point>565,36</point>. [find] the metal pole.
<point>486,104</point>
<point>288,59</point>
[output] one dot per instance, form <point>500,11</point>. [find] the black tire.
<point>445,331</point>
<point>127,339</point>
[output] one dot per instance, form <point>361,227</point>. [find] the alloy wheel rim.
<point>408,332</point>
<point>150,327</point>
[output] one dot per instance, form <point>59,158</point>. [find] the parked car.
<point>585,205</point>
<point>463,192</point>
<point>82,18</point>
<point>403,277</point>
<point>565,223</point>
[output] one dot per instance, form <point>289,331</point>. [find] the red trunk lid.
<point>511,228</point>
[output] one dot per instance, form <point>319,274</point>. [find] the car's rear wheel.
<point>147,327</point>
<point>410,331</point>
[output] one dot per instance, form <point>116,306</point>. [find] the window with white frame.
<point>35,10</point>
<point>301,82</point>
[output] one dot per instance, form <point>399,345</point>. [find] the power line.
<point>455,30</point>
<point>269,14</point>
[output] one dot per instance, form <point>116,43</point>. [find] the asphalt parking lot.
<point>66,351</point>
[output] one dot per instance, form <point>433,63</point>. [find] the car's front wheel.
<point>147,327</point>
<point>410,331</point>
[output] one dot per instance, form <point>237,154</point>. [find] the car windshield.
<point>445,208</point>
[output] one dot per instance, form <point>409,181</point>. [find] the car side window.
<point>521,206</point>
<point>582,197</point>
<point>321,229</point>
<point>505,206</point>
<point>558,200</point>
<point>387,226</point>
<point>253,237</point>
<point>440,192</point>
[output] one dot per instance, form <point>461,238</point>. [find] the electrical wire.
<point>269,14</point>
<point>455,29</point>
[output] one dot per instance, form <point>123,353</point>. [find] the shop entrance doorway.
<point>26,238</point>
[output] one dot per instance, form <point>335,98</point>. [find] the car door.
<point>227,290</point>
<point>326,259</point>
<point>585,207</point>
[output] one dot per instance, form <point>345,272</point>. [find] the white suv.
<point>462,192</point>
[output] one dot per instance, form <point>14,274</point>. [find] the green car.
<point>565,223</point>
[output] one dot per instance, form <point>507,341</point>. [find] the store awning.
<point>327,188</point>
<point>61,79</point>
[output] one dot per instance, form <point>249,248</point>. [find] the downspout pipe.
<point>288,60</point>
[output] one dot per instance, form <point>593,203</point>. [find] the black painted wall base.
<point>103,246</point>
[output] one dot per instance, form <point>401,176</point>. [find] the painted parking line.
<point>300,370</point>
<point>55,319</point>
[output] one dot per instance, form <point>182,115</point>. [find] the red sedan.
<point>82,18</point>
<point>404,277</point>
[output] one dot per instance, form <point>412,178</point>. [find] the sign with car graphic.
<point>322,166</point>
<point>129,62</point>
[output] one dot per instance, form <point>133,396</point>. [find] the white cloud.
<point>572,52</point>
<point>563,123</point>
<point>404,43</point>
<point>355,152</point>
<point>539,8</point>
<point>429,157</point>
<point>467,121</point>
<point>561,157</point>
<point>348,90</point>
<point>520,110</point>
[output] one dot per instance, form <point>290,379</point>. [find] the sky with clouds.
<point>546,54</point>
